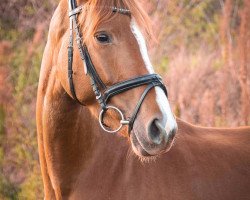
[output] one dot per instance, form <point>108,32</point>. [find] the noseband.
<point>102,93</point>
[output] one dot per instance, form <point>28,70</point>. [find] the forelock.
<point>96,12</point>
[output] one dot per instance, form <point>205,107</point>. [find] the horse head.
<point>112,72</point>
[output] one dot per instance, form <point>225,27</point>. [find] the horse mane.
<point>99,11</point>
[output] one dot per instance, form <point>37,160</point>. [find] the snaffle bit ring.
<point>122,121</point>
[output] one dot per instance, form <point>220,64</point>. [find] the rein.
<point>102,93</point>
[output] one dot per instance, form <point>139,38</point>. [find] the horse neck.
<point>67,122</point>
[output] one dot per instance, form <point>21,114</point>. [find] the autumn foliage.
<point>202,51</point>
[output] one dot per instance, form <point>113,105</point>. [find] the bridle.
<point>102,93</point>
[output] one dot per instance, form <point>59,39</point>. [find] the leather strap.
<point>91,69</point>
<point>138,106</point>
<point>133,83</point>
<point>70,74</point>
<point>152,80</point>
<point>70,55</point>
<point>96,81</point>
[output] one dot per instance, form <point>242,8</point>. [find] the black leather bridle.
<point>102,93</point>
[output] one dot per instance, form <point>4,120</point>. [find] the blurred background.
<point>203,53</point>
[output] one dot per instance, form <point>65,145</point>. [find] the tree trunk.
<point>243,57</point>
<point>225,38</point>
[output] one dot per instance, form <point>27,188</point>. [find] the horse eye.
<point>103,38</point>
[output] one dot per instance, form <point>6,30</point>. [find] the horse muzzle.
<point>157,140</point>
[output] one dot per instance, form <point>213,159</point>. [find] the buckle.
<point>75,11</point>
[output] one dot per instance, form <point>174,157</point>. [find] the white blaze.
<point>161,99</point>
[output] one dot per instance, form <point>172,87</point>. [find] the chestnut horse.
<point>79,160</point>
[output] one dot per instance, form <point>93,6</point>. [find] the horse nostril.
<point>156,132</point>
